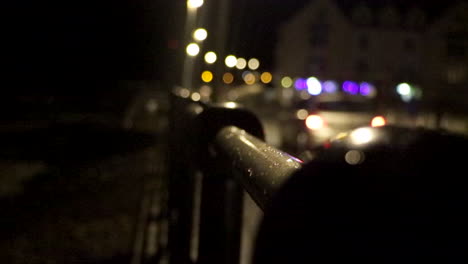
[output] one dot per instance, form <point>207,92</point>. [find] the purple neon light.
<point>366,88</point>
<point>350,87</point>
<point>301,84</point>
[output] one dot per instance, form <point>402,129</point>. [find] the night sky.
<point>127,39</point>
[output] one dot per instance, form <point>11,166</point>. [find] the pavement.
<point>72,192</point>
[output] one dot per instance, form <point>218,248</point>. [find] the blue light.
<point>330,86</point>
<point>314,87</point>
<point>350,87</point>
<point>300,84</point>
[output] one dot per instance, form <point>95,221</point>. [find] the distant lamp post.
<point>194,4</point>
<point>241,63</point>
<point>193,49</point>
<point>210,57</point>
<point>200,34</point>
<point>253,64</point>
<point>230,61</point>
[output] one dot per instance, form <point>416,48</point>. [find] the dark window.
<point>319,34</point>
<point>316,65</point>
<point>456,44</point>
<point>362,66</point>
<point>408,44</point>
<point>363,42</point>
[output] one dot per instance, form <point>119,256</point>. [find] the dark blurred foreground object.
<point>386,195</point>
<point>65,144</point>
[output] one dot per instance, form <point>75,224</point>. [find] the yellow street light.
<point>253,64</point>
<point>210,57</point>
<point>207,76</point>
<point>249,78</point>
<point>194,3</point>
<point>200,34</point>
<point>230,61</point>
<point>192,49</point>
<point>228,78</point>
<point>266,77</point>
<point>241,63</point>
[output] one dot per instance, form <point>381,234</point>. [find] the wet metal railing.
<point>217,152</point>
<point>260,167</point>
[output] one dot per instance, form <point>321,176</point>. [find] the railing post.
<point>181,178</point>
<point>222,196</point>
<point>221,218</point>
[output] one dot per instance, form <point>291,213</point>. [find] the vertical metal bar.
<point>221,218</point>
<point>180,182</point>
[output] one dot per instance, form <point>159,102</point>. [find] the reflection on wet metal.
<point>261,168</point>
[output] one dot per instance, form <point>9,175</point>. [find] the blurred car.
<point>323,120</point>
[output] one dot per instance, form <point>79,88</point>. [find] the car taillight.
<point>378,121</point>
<point>314,122</point>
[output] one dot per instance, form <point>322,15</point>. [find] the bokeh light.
<point>210,57</point>
<point>196,96</point>
<point>194,3</point>
<point>300,84</point>
<point>228,78</point>
<point>314,122</point>
<point>330,86</point>
<point>302,114</point>
<point>207,76</point>
<point>354,157</point>
<point>254,64</point>
<point>367,89</point>
<point>266,77</point>
<point>184,92</point>
<point>378,121</point>
<point>314,87</point>
<point>286,82</point>
<point>230,61</point>
<point>403,89</point>
<point>250,78</point>
<point>205,91</point>
<point>361,136</point>
<point>350,87</point>
<point>241,63</point>
<point>192,49</point>
<point>200,34</point>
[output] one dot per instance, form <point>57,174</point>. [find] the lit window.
<point>456,44</point>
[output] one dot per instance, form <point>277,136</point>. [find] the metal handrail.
<point>224,144</point>
<point>260,167</point>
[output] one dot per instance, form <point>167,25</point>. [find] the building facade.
<point>380,44</point>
